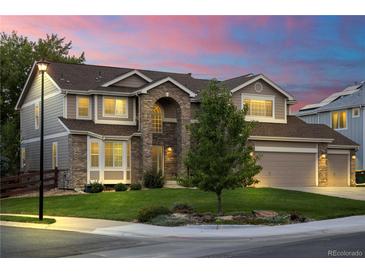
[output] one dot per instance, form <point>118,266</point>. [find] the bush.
<point>148,213</point>
<point>94,187</point>
<point>120,187</point>
<point>152,179</point>
<point>182,208</point>
<point>135,186</point>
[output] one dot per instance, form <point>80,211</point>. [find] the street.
<point>28,242</point>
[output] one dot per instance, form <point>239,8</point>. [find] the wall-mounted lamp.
<point>323,156</point>
<point>251,153</point>
<point>353,157</point>
<point>169,149</point>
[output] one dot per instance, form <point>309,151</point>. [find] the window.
<point>128,172</point>
<point>83,107</point>
<point>115,107</point>
<point>156,119</point>
<point>94,152</point>
<point>54,155</point>
<point>259,107</point>
<point>355,112</point>
<point>157,158</point>
<point>113,154</point>
<point>36,116</point>
<point>339,119</point>
<point>22,158</point>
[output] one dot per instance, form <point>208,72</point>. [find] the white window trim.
<point>101,169</point>
<point>36,125</point>
<point>55,164</point>
<point>115,115</point>
<point>353,112</point>
<point>88,117</point>
<point>259,97</point>
<point>342,128</point>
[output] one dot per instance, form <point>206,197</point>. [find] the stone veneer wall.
<point>322,165</point>
<point>136,159</point>
<point>78,161</point>
<point>352,168</point>
<point>183,120</point>
<point>168,138</point>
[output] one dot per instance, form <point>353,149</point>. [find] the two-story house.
<point>112,124</point>
<point>343,111</point>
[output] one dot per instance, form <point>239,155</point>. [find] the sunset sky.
<point>308,56</point>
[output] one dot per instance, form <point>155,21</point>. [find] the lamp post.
<point>42,67</point>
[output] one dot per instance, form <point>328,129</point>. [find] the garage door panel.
<point>287,169</point>
<point>338,169</point>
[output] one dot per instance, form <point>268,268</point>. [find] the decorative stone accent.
<point>352,168</point>
<point>265,213</point>
<point>78,161</point>
<point>183,120</point>
<point>136,159</point>
<point>322,165</point>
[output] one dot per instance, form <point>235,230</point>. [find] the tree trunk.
<point>219,204</point>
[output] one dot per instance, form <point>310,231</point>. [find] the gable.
<point>133,81</point>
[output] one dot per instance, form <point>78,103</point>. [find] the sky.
<point>309,56</point>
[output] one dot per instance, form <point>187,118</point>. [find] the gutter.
<point>291,139</point>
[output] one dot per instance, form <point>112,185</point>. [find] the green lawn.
<point>125,205</point>
<point>25,219</point>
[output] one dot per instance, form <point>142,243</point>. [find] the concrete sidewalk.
<point>121,229</point>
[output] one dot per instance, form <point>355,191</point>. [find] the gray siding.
<point>53,108</point>
<point>280,105</point>
<point>354,131</point>
<point>133,81</point>
<point>33,149</point>
<point>34,92</point>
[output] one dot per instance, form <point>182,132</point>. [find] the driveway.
<point>356,193</point>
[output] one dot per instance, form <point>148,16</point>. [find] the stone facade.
<point>78,161</point>
<point>136,159</point>
<point>322,165</point>
<point>147,101</point>
<point>352,168</point>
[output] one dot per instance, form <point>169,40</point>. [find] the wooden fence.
<point>27,182</point>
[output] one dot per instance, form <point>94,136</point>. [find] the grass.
<point>25,219</point>
<point>124,206</point>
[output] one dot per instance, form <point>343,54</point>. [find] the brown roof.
<point>236,81</point>
<point>99,129</point>
<point>297,128</point>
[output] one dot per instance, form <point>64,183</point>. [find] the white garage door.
<point>338,169</point>
<point>287,169</point>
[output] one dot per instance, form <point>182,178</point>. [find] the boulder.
<point>265,213</point>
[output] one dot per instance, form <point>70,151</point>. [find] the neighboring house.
<point>344,112</point>
<point>112,124</point>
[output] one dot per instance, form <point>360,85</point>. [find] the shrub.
<point>153,179</point>
<point>95,187</point>
<point>148,213</point>
<point>182,208</point>
<point>168,220</point>
<point>135,186</point>
<point>120,187</point>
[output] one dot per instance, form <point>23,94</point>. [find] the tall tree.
<point>17,54</point>
<point>220,157</point>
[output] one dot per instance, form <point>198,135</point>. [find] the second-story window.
<point>339,119</point>
<point>115,107</point>
<point>83,107</point>
<point>156,119</point>
<point>36,115</point>
<point>259,107</point>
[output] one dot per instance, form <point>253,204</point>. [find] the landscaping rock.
<point>265,213</point>
<point>225,218</point>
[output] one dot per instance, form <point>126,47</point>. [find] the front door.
<point>157,159</point>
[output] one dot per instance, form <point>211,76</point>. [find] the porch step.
<point>172,184</point>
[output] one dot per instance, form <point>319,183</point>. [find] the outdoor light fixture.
<point>251,154</point>
<point>169,149</point>
<point>323,156</point>
<point>42,67</point>
<point>353,157</point>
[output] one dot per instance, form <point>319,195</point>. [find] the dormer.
<point>266,101</point>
